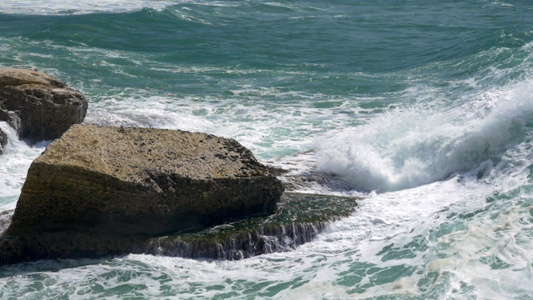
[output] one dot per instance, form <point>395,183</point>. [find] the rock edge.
<point>101,190</point>
<point>38,106</point>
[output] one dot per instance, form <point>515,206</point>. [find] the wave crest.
<point>405,148</point>
<point>61,7</point>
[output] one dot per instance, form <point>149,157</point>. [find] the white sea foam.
<point>60,7</point>
<point>448,246</point>
<point>55,7</point>
<point>14,164</point>
<point>409,147</point>
<point>440,231</point>
<point>452,236</point>
<point>268,129</point>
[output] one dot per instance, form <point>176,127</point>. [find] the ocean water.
<point>423,108</point>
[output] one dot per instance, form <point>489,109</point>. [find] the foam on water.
<point>14,164</point>
<point>455,238</point>
<point>256,127</point>
<point>60,7</point>
<point>408,147</point>
<point>466,236</point>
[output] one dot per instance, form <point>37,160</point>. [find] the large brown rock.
<point>123,185</point>
<point>37,105</point>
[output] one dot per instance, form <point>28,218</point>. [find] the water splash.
<point>405,148</point>
<point>14,164</point>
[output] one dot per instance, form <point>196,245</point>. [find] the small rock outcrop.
<point>102,190</point>
<point>3,140</point>
<point>37,105</point>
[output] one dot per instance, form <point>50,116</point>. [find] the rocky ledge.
<point>106,190</point>
<point>38,106</point>
<point>298,220</point>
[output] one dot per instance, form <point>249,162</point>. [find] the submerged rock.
<point>298,220</point>
<point>106,190</point>
<point>37,105</point>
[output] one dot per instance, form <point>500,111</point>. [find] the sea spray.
<point>13,140</point>
<point>408,147</point>
<point>14,164</point>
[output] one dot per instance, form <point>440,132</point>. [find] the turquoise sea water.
<point>424,108</point>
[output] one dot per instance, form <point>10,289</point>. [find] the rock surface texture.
<point>298,220</point>
<point>3,140</point>
<point>37,105</point>
<point>102,190</point>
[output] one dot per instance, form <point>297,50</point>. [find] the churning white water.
<point>14,164</point>
<point>58,7</point>
<point>408,147</point>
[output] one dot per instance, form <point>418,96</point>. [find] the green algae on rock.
<point>298,219</point>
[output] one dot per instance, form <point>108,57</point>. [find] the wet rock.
<point>37,105</point>
<point>298,220</point>
<point>102,190</point>
<point>3,140</point>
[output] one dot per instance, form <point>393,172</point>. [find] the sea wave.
<point>408,147</point>
<point>59,7</point>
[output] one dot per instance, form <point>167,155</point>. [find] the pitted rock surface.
<point>37,105</point>
<point>122,184</point>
